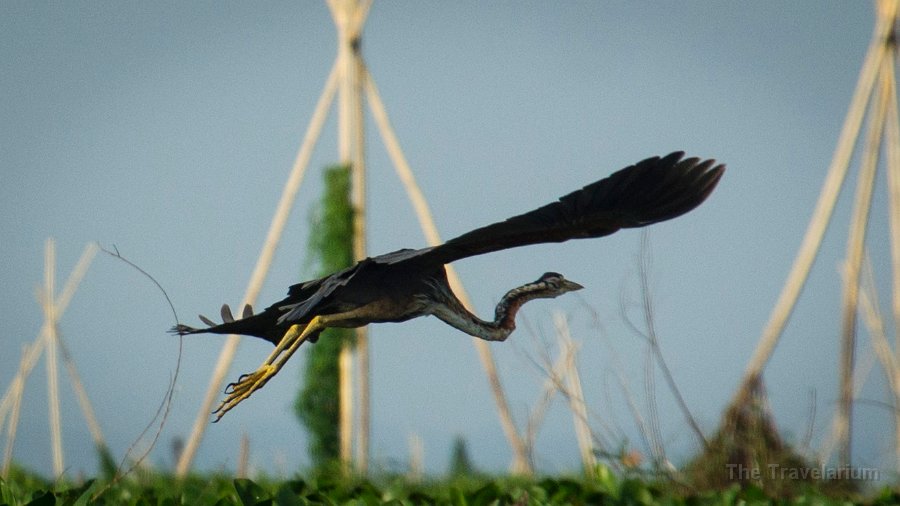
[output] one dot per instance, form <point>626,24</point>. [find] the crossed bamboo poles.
<point>49,343</point>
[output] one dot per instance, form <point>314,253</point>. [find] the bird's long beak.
<point>571,286</point>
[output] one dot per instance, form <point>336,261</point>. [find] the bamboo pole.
<point>349,17</point>
<point>87,410</point>
<point>871,313</point>
<point>870,310</point>
<point>404,172</point>
<point>426,221</point>
<point>360,236</point>
<point>244,457</point>
<point>892,131</point>
<point>360,252</point>
<point>345,394</point>
<point>29,359</point>
<point>853,263</point>
<point>226,356</point>
<point>861,373</point>
<point>827,199</point>
<point>416,458</point>
<point>345,61</point>
<point>340,11</point>
<point>15,402</point>
<point>74,279</point>
<point>52,367</point>
<point>359,15</point>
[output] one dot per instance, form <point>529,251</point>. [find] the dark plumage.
<point>409,283</point>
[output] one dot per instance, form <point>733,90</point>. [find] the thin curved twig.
<point>166,404</point>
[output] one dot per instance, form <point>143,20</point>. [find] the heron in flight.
<point>409,283</point>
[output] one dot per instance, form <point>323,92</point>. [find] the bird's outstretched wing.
<point>654,190</point>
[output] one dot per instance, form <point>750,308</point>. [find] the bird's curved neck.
<point>455,314</point>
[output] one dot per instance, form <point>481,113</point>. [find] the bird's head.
<point>548,286</point>
<point>553,284</point>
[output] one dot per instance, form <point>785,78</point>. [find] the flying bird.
<point>409,283</point>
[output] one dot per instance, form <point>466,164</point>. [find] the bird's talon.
<point>243,388</point>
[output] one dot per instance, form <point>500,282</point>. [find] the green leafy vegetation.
<point>460,462</point>
<point>149,488</point>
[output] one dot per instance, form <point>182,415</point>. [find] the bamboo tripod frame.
<point>350,76</point>
<point>877,69</point>
<point>49,342</point>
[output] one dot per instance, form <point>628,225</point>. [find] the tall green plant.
<point>331,247</point>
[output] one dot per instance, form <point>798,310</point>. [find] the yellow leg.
<point>249,383</point>
<point>288,338</point>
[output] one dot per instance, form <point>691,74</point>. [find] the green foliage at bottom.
<point>148,488</point>
<point>460,462</point>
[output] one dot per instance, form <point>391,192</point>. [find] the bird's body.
<point>408,283</point>
<point>389,299</point>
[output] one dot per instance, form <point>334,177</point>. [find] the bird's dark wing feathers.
<point>654,190</point>
<point>305,296</point>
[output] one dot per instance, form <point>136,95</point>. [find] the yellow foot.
<point>243,388</point>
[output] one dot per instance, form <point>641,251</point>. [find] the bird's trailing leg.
<point>293,338</point>
<point>249,383</point>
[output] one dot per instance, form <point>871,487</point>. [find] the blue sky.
<point>168,130</point>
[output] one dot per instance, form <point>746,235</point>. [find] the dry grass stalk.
<point>655,355</point>
<point>576,396</point>
<point>643,430</point>
<point>552,384</point>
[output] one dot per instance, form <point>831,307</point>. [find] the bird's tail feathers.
<point>249,324</point>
